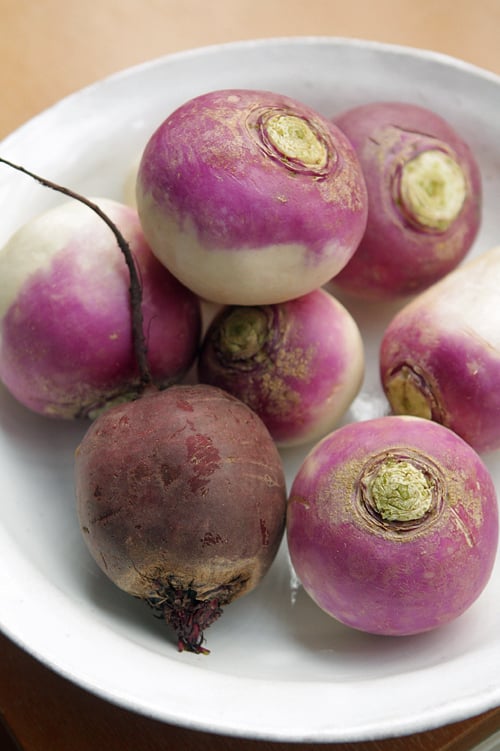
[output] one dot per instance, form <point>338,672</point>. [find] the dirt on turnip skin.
<point>181,500</point>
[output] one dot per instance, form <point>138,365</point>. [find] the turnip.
<point>440,354</point>
<point>392,525</point>
<point>250,197</point>
<point>424,199</point>
<point>298,364</point>
<point>66,346</point>
<point>181,500</point>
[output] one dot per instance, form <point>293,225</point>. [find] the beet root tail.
<point>187,615</point>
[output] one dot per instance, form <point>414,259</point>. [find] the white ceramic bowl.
<point>279,668</point>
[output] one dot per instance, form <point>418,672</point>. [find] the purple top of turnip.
<point>66,334</point>
<point>424,198</point>
<point>298,364</point>
<point>250,197</point>
<point>393,525</point>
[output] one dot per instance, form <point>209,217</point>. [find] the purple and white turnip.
<point>298,364</point>
<point>66,346</point>
<point>424,199</point>
<point>440,354</point>
<point>392,525</point>
<point>250,197</point>
<point>181,500</point>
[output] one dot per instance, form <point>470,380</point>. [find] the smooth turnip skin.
<point>181,500</point>
<point>385,576</point>
<point>440,354</point>
<point>66,346</point>
<point>246,209</point>
<point>298,364</point>
<point>404,249</point>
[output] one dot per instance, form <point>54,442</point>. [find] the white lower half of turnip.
<point>66,341</point>
<point>250,197</point>
<point>181,500</point>
<point>299,364</point>
<point>393,525</point>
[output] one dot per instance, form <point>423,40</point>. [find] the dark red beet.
<point>181,500</point>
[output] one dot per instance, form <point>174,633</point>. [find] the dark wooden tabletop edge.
<point>47,701</point>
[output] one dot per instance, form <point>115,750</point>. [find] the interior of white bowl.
<point>279,667</point>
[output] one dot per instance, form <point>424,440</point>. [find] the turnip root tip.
<point>397,490</point>
<point>431,190</point>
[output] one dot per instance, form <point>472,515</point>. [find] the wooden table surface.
<point>50,48</point>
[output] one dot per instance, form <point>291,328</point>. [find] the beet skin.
<point>181,500</point>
